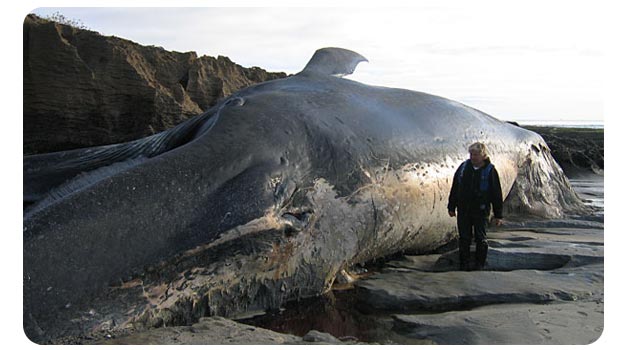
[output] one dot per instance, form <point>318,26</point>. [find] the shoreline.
<point>562,124</point>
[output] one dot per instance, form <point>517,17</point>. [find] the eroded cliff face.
<point>83,89</point>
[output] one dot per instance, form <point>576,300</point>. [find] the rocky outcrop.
<point>216,331</point>
<point>83,89</point>
<point>537,288</point>
<point>570,324</point>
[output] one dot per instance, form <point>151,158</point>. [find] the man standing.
<point>475,186</point>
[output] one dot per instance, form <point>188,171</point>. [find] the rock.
<point>438,291</point>
<point>514,256</point>
<point>84,89</point>
<point>529,267</point>
<point>314,336</point>
<point>566,225</point>
<point>207,331</point>
<point>567,323</point>
<point>215,330</point>
<point>547,289</point>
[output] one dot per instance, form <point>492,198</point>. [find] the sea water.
<point>562,123</point>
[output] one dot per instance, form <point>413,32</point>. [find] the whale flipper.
<point>44,172</point>
<point>334,61</point>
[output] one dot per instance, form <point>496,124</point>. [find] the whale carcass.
<point>262,199</point>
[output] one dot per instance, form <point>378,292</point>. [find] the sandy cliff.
<point>83,89</point>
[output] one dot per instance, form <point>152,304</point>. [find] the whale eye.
<point>236,101</point>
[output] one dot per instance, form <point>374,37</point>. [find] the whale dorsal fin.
<point>334,61</point>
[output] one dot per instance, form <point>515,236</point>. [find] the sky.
<point>516,60</point>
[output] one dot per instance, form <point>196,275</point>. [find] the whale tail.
<point>333,61</point>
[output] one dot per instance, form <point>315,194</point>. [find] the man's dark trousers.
<point>465,224</point>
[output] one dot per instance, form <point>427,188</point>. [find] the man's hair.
<point>479,147</point>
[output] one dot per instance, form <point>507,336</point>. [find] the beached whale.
<point>265,197</point>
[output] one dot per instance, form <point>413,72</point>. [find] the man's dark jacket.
<point>467,197</point>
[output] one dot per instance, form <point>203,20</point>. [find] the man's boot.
<point>481,254</point>
<point>464,256</point>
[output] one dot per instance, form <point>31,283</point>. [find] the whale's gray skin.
<point>264,198</point>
